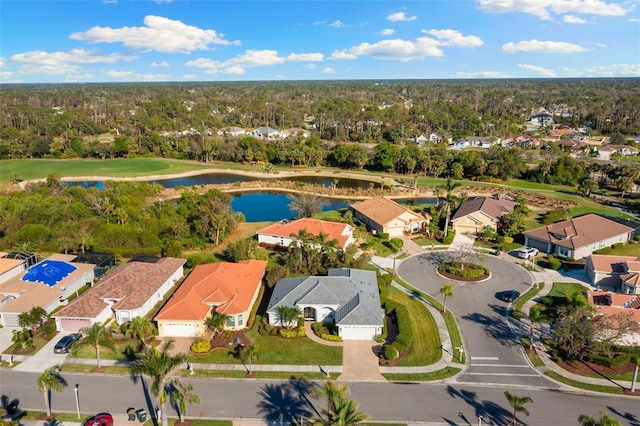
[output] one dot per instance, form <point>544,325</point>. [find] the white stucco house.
<point>348,298</point>
<point>283,233</point>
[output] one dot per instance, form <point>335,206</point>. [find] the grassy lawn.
<point>626,250</point>
<point>373,243</point>
<point>445,373</point>
<point>426,342</point>
<point>278,350</point>
<point>331,215</point>
<point>520,301</point>
<point>38,343</point>
<point>586,386</point>
<point>423,241</point>
<point>119,354</point>
<point>122,167</point>
<point>559,294</point>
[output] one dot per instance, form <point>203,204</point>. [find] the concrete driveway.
<point>493,353</point>
<point>360,361</point>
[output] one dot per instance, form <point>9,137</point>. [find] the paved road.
<point>494,354</point>
<point>441,404</point>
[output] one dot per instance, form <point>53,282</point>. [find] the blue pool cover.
<point>49,272</point>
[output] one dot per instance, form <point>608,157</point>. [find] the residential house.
<point>476,142</point>
<point>348,298</point>
<point>605,151</point>
<point>284,233</point>
<point>542,119</point>
<point>15,263</point>
<point>606,270</point>
<point>381,214</point>
<point>521,141</point>
<point>609,304</point>
<point>422,140</point>
<point>578,237</point>
<point>129,291</point>
<point>295,132</point>
<point>47,284</point>
<point>477,213</point>
<point>224,288</point>
<point>265,133</point>
<point>232,131</point>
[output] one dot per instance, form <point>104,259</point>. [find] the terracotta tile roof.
<point>228,286</point>
<point>489,206</point>
<point>613,264</point>
<point>32,294</point>
<point>607,303</point>
<point>383,210</point>
<point>632,278</point>
<point>579,231</point>
<point>334,230</point>
<point>130,285</point>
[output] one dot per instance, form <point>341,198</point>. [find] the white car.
<point>527,252</point>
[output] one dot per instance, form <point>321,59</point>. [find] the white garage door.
<point>357,333</point>
<point>74,324</point>
<point>179,330</point>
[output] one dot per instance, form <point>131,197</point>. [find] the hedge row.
<point>468,271</point>
<point>290,333</point>
<point>405,331</point>
<point>201,346</point>
<point>609,362</point>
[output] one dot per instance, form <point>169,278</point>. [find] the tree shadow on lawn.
<point>495,327</point>
<point>288,402</point>
<point>491,412</point>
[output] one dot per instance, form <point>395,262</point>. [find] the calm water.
<point>262,206</point>
<point>274,206</point>
<point>226,178</point>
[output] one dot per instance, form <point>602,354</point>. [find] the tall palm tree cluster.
<point>341,410</point>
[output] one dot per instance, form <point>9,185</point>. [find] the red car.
<point>102,419</point>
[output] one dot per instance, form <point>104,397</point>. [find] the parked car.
<point>510,295</point>
<point>102,419</point>
<point>527,252</point>
<point>64,345</point>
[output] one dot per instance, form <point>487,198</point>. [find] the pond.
<point>274,206</point>
<point>227,178</point>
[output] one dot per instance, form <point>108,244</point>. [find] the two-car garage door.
<point>354,332</point>
<point>179,330</point>
<point>74,324</point>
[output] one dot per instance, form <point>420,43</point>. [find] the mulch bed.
<point>586,368</point>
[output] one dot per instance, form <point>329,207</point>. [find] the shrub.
<point>449,238</point>
<point>405,332</point>
<point>291,333</point>
<point>331,337</point>
<point>383,235</point>
<point>49,329</point>
<point>467,271</point>
<point>317,328</point>
<point>201,346</point>
<point>389,352</point>
<point>508,240</point>
<point>609,362</point>
<point>554,263</point>
<point>616,245</point>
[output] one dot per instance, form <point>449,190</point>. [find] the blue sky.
<point>48,41</point>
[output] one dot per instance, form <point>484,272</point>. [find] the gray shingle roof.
<point>355,290</point>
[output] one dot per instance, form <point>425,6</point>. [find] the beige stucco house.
<point>381,214</point>
<point>476,213</point>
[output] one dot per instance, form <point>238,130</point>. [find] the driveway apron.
<point>360,361</point>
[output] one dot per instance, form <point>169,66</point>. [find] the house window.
<point>563,251</point>
<point>601,244</point>
<point>240,320</point>
<point>124,316</point>
<point>231,321</point>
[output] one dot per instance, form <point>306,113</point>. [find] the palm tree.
<point>604,420</point>
<point>450,201</point>
<point>517,403</point>
<point>344,412</point>
<point>96,336</point>
<point>330,391</point>
<point>181,395</point>
<point>140,328</point>
<point>219,222</point>
<point>158,365</point>
<point>48,381</point>
<point>446,291</point>
<point>216,322</point>
<point>249,354</point>
<point>288,315</point>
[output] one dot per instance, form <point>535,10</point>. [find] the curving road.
<point>494,355</point>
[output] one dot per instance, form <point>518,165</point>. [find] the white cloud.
<point>190,76</point>
<point>617,70</point>
<point>481,74</point>
<point>387,32</point>
<point>337,24</point>
<point>536,46</point>
<point>454,38</point>
<point>401,50</point>
<point>120,74</point>
<point>634,19</point>
<point>305,57</point>
<point>255,58</point>
<point>163,64</point>
<point>159,34</point>
<point>329,70</point>
<point>401,17</point>
<point>538,70</point>
<point>80,56</point>
<point>543,8</point>
<point>311,66</point>
<point>571,19</point>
